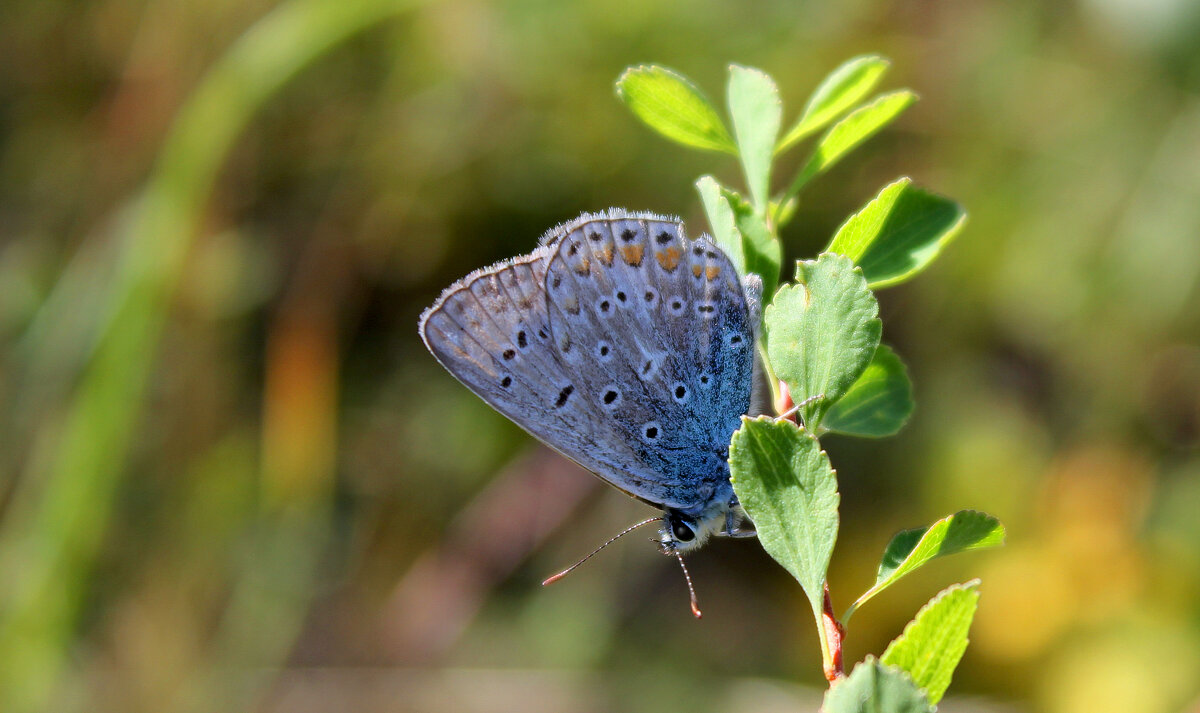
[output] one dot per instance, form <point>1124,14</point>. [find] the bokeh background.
<point>231,477</point>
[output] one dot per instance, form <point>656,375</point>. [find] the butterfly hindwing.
<point>657,331</point>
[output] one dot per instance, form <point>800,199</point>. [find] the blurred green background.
<point>232,478</point>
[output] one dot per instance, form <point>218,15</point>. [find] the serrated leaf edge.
<point>872,661</point>
<point>968,586</point>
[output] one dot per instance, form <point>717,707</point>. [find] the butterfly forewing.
<point>490,331</point>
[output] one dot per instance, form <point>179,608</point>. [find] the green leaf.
<point>933,643</point>
<point>756,111</point>
<point>762,251</point>
<point>741,232</point>
<point>898,233</point>
<point>674,107</point>
<point>839,91</point>
<point>785,483</point>
<point>822,332</point>
<point>860,125</point>
<point>878,403</point>
<point>873,687</point>
<point>721,220</point>
<point>908,550</point>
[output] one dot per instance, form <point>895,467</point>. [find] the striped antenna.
<point>622,533</point>
<point>691,590</point>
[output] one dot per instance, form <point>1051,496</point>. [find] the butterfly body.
<point>623,345</point>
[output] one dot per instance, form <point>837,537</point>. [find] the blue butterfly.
<point>624,346</point>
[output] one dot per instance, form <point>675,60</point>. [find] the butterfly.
<point>624,346</point>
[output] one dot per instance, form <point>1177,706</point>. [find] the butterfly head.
<point>683,532</point>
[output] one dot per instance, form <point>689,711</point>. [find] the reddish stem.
<point>786,403</point>
<point>834,633</point>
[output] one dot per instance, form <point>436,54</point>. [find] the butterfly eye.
<point>683,531</point>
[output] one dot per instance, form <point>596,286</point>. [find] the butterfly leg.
<point>733,526</point>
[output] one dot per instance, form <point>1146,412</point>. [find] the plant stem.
<point>832,635</point>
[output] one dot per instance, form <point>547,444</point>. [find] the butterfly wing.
<point>564,342</point>
<point>484,327</point>
<point>491,331</point>
<point>657,335</point>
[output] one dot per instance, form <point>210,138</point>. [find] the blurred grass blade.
<point>840,90</point>
<point>721,221</point>
<point>264,613</point>
<point>762,250</point>
<point>784,481</point>
<point>878,404</point>
<point>756,111</point>
<point>934,642</point>
<point>783,212</point>
<point>671,105</point>
<point>57,518</point>
<point>822,332</point>
<point>847,134</point>
<point>873,687</point>
<point>899,233</point>
<point>908,550</point>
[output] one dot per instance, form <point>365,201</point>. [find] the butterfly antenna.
<point>622,533</point>
<point>691,589</point>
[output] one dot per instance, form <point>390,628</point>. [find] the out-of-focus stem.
<point>65,503</point>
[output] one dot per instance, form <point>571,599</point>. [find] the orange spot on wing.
<point>697,270</point>
<point>712,272</point>
<point>632,254</point>
<point>583,266</point>
<point>669,258</point>
<point>606,255</point>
